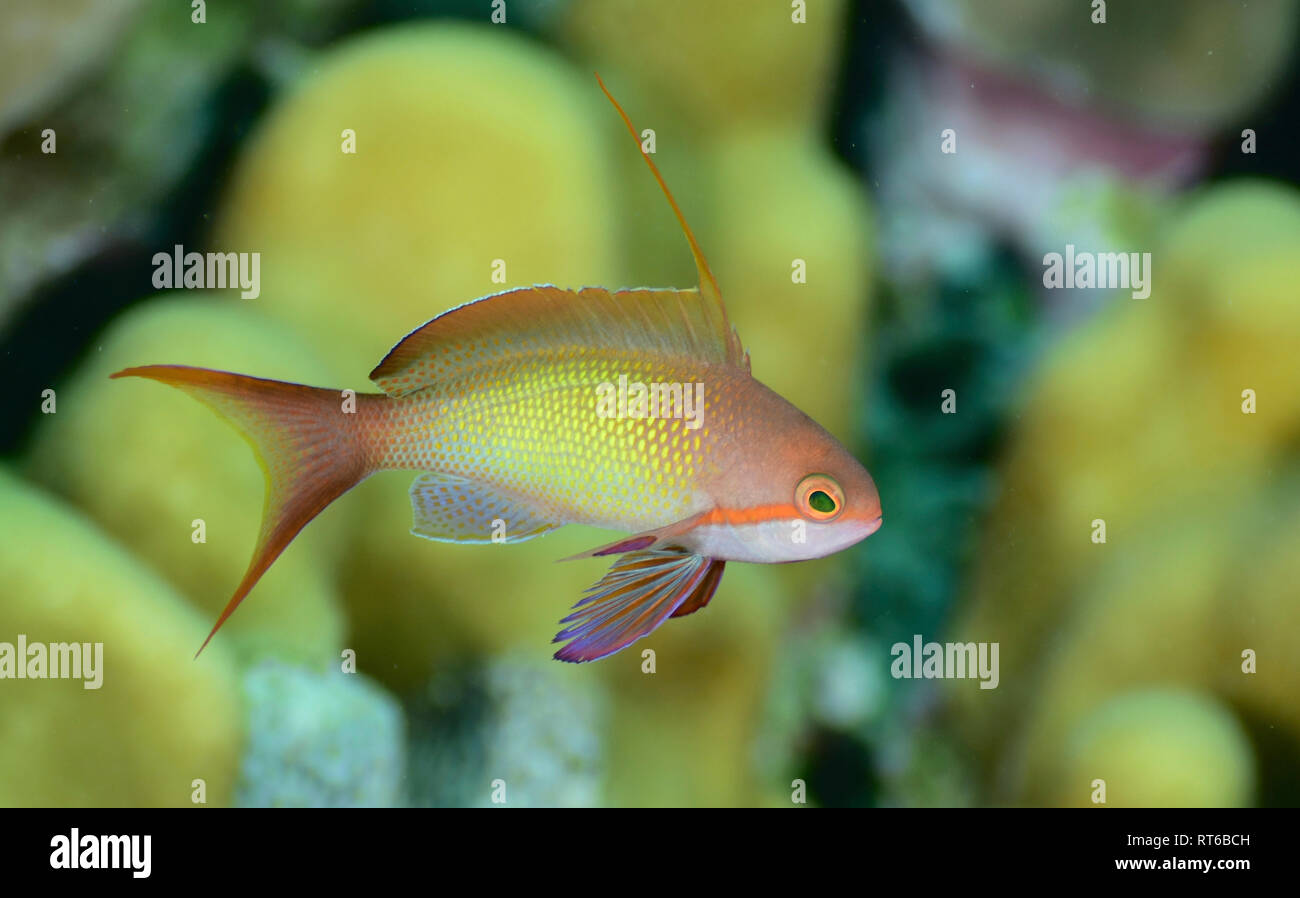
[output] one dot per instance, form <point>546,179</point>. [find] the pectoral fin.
<point>641,591</point>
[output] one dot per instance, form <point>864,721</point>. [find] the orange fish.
<point>526,410</point>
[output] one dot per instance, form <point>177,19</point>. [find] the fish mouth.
<point>873,526</point>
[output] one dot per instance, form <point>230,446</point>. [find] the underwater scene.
<point>630,403</point>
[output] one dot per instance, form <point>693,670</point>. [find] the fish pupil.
<point>820,501</point>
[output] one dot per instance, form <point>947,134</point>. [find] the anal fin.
<point>454,509</point>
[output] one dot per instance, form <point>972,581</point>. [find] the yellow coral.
<point>473,147</point>
<point>1138,420</point>
<point>717,65</point>
<point>1158,748</point>
<point>159,720</point>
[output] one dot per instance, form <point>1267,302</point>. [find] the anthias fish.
<point>504,405</point>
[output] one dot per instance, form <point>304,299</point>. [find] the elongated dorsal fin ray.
<point>708,284</point>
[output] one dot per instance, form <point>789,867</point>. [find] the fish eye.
<point>820,500</point>
<point>818,497</point>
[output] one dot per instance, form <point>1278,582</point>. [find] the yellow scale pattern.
<point>524,423</point>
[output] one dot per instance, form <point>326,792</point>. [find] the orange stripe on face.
<point>757,514</point>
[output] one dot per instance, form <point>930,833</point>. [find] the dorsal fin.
<point>667,324</point>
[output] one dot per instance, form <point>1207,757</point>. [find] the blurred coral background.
<point>788,131</point>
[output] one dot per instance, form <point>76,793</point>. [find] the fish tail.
<point>311,449</point>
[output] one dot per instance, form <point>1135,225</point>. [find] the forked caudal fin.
<point>311,450</point>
